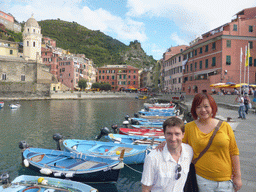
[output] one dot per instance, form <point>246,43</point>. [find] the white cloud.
<point>154,49</point>
<point>178,40</point>
<point>196,17</point>
<point>99,19</point>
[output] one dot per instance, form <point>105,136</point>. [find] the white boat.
<point>14,106</point>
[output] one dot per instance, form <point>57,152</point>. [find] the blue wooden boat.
<point>162,109</point>
<point>1,104</point>
<point>150,123</point>
<point>147,126</point>
<point>143,121</point>
<point>157,110</point>
<point>134,154</point>
<point>135,140</point>
<point>44,184</point>
<point>152,113</point>
<point>78,167</point>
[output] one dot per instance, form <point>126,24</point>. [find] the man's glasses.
<point>177,172</point>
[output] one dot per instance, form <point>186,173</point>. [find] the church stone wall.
<point>14,86</point>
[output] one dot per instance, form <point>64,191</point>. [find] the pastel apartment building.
<point>172,63</point>
<point>67,68</point>
<point>8,48</point>
<point>214,57</point>
<point>9,22</point>
<point>120,77</point>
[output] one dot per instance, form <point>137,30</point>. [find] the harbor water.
<point>36,121</point>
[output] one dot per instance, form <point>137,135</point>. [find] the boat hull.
<point>110,176</point>
<point>142,132</point>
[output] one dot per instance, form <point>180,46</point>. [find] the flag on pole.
<point>247,56</point>
<point>241,55</point>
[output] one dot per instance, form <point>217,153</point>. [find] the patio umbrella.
<point>239,85</point>
<point>217,84</point>
<point>224,86</point>
<point>252,85</point>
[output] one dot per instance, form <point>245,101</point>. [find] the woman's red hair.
<point>198,100</point>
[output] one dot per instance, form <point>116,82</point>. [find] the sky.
<point>156,24</point>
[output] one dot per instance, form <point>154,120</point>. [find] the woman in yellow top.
<point>220,163</point>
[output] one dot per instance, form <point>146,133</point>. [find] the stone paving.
<point>245,134</point>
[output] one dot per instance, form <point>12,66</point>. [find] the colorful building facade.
<point>9,48</point>
<point>120,77</point>
<point>215,56</point>
<point>173,73</point>
<point>9,22</point>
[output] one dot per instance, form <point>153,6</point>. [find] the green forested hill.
<point>95,44</point>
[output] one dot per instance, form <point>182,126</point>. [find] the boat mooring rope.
<point>133,169</point>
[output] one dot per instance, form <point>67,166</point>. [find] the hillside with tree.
<point>95,45</point>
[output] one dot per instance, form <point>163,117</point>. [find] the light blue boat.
<point>134,139</point>
<point>157,111</point>
<point>152,113</point>
<point>143,121</point>
<point>134,154</point>
<point>147,126</point>
<point>77,167</point>
<point>44,184</point>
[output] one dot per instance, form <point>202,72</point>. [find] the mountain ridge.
<point>101,48</point>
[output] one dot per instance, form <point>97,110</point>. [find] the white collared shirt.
<point>159,169</point>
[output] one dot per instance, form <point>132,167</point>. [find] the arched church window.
<point>34,44</point>
<point>27,43</point>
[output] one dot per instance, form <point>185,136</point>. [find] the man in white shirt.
<point>167,170</point>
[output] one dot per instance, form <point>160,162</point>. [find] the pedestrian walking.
<point>241,110</point>
<point>247,102</point>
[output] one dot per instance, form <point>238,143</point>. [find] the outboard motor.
<point>115,128</point>
<point>23,145</point>
<point>127,117</point>
<point>188,116</point>
<point>4,178</point>
<point>136,115</point>
<point>147,108</point>
<point>103,131</point>
<point>57,137</point>
<point>134,122</point>
<point>125,124</point>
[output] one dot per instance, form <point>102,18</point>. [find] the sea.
<point>36,122</point>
